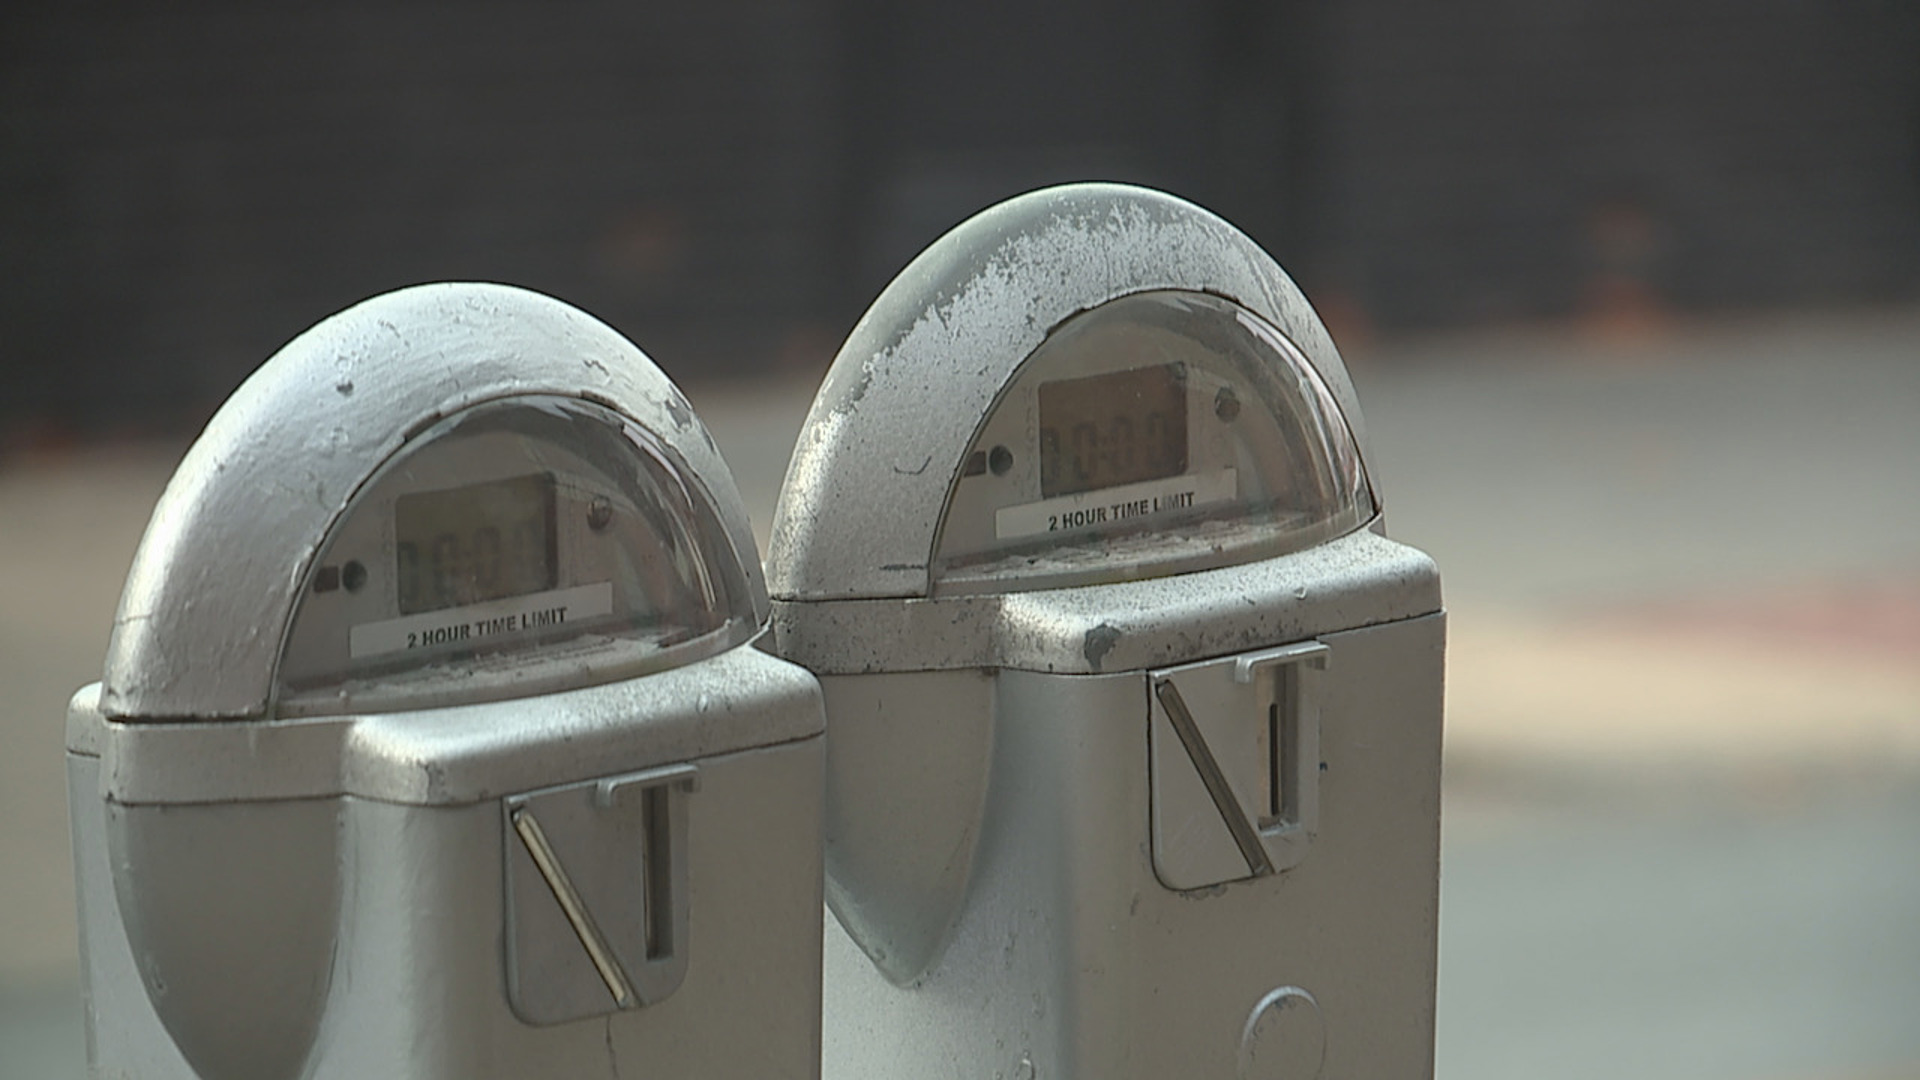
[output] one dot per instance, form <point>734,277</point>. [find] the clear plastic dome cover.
<point>516,545</point>
<point>1158,433</point>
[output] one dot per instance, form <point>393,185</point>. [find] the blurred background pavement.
<point>1631,293</point>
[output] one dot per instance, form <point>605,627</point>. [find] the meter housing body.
<point>1134,711</point>
<point>433,741</point>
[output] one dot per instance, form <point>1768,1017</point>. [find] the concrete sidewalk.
<point>1683,703</point>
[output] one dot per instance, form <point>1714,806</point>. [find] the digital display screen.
<point>469,545</point>
<point>1106,430</point>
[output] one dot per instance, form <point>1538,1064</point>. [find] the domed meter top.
<point>1075,369</point>
<point>446,494</point>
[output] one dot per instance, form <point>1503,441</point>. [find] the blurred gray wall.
<point>185,186</point>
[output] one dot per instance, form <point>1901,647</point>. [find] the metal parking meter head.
<point>432,637</point>
<point>1078,522</point>
<point>1048,293</point>
<point>427,395</point>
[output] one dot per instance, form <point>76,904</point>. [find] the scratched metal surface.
<point>901,402</point>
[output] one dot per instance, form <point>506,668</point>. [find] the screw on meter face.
<point>1158,432</point>
<point>532,523</point>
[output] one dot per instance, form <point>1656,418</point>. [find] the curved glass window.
<point>517,545</point>
<point>1157,433</point>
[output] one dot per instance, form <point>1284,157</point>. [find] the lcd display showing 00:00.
<point>1106,430</point>
<point>468,545</point>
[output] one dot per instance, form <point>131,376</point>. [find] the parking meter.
<point>432,741</point>
<point>1133,709</point>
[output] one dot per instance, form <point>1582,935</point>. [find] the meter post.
<point>433,741</point>
<point>1134,709</point>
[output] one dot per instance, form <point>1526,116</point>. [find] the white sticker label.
<point>475,624</point>
<point>1109,506</point>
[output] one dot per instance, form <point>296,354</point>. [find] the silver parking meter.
<point>432,740</point>
<point>1133,710</point>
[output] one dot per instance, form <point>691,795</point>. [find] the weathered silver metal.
<point>1067,948</point>
<point>1121,785</point>
<point>926,362</point>
<point>453,755</point>
<point>527,802</point>
<point>1092,629</point>
<point>200,625</point>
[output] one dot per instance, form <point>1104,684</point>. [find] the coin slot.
<point>658,863</point>
<point>1275,752</point>
<point>1281,807</point>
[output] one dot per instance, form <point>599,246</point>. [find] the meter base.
<point>1074,961</point>
<point>419,986</point>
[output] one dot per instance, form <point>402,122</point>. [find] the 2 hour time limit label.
<point>1115,505</point>
<point>479,622</point>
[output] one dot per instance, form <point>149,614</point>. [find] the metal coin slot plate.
<point>596,880</point>
<point>1234,763</point>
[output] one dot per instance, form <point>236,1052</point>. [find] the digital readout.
<point>1102,431</point>
<point>469,545</point>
